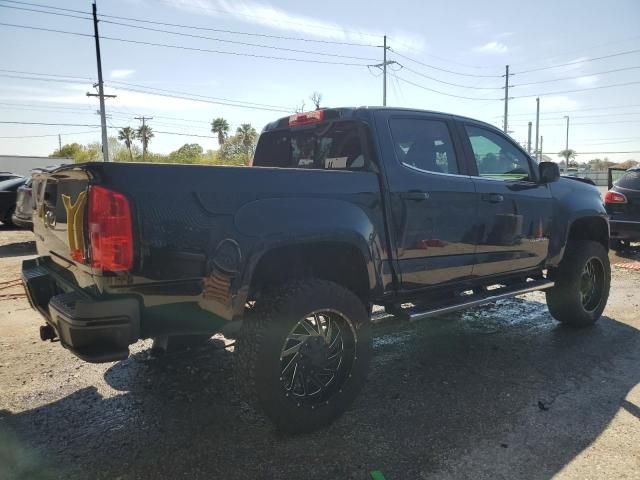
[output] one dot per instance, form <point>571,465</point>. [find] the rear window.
<point>327,146</point>
<point>630,180</point>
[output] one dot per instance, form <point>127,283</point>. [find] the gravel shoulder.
<point>500,391</point>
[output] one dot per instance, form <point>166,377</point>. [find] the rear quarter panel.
<point>210,225</point>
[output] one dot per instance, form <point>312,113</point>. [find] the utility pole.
<point>59,143</point>
<point>566,148</point>
<point>100,85</point>
<point>143,119</point>
<point>383,66</point>
<point>541,138</point>
<point>537,127</point>
<point>529,139</point>
<point>506,99</point>
<point>384,73</point>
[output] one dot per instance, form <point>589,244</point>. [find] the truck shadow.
<point>499,391</point>
<point>18,249</point>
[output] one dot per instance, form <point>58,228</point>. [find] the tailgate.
<point>58,221</point>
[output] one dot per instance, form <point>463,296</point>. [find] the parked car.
<point>8,189</point>
<point>24,208</point>
<point>8,176</point>
<point>343,208</point>
<point>622,202</point>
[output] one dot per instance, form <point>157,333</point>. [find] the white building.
<point>22,165</point>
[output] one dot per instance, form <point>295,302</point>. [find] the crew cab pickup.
<point>419,212</point>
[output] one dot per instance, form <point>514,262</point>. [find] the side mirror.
<point>549,172</point>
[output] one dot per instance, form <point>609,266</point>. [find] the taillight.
<point>110,233</point>
<point>306,118</point>
<point>614,197</point>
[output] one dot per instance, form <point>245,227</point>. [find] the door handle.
<point>415,195</point>
<point>492,197</point>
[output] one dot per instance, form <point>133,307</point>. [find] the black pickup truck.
<point>420,212</point>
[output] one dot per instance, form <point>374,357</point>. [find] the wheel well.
<point>590,228</point>
<point>341,263</point>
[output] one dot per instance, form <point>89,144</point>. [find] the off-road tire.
<point>260,343</point>
<point>564,299</point>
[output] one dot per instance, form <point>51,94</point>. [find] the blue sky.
<point>451,47</point>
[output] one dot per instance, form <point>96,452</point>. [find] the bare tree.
<point>300,108</point>
<point>316,98</point>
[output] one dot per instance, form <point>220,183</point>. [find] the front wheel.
<point>303,354</point>
<point>582,279</point>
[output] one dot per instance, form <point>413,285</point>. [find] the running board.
<point>414,314</point>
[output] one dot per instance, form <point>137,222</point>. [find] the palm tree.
<point>248,135</point>
<point>567,154</point>
<point>144,134</point>
<point>221,127</point>
<point>127,135</point>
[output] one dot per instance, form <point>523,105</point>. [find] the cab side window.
<point>424,144</point>
<point>496,157</point>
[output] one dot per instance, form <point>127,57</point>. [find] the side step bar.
<point>414,314</point>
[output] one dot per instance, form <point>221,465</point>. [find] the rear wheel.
<point>303,354</point>
<point>583,279</point>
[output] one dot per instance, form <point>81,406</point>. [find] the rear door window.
<point>424,145</point>
<point>328,146</point>
<point>630,180</point>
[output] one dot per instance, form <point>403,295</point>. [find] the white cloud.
<point>587,80</point>
<point>557,102</point>
<point>121,73</point>
<point>278,19</point>
<point>478,26</point>
<point>492,48</point>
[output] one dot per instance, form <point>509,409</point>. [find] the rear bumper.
<point>624,230</point>
<point>94,329</point>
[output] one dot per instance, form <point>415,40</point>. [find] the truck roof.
<point>352,112</point>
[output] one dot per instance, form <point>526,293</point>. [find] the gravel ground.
<point>498,392</point>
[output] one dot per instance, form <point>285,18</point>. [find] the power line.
<point>577,76</point>
<point>593,153</point>
<point>203,100</point>
<point>48,135</point>
<point>578,90</point>
<point>341,30</point>
<point>449,83</point>
<point>611,107</point>
<point>235,42</point>
<point>438,91</point>
<point>177,92</point>
<point>183,47</point>
<point>45,74</point>
<point>43,11</point>
<point>49,124</point>
<point>45,6</point>
<point>22,77</point>
<point>163,93</point>
<point>444,69</point>
<point>575,62</point>
<point>601,122</point>
<point>237,32</point>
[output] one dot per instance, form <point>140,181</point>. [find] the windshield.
<point>332,146</point>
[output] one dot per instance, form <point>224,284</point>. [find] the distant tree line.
<point>132,145</point>
<point>594,164</point>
